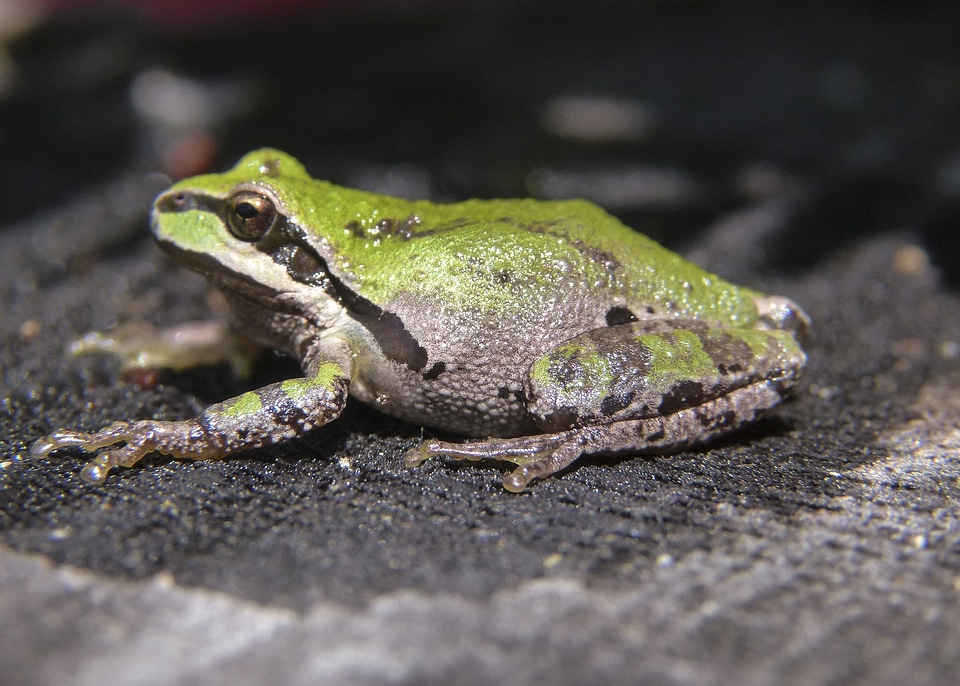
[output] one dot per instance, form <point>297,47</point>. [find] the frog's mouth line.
<point>213,270</point>
<point>234,284</point>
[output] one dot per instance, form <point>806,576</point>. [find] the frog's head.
<point>244,230</point>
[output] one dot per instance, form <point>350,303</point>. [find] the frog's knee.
<point>569,386</point>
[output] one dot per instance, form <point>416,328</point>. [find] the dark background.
<point>810,150</point>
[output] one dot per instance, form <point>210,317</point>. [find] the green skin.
<point>549,325</point>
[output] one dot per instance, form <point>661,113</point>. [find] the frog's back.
<point>507,257</point>
<point>495,259</point>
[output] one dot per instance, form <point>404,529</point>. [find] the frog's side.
<point>550,321</point>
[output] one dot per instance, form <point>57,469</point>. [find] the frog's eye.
<point>250,215</point>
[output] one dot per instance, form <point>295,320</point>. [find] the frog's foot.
<point>536,456</point>
<point>141,438</point>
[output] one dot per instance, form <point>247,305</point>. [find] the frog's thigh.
<point>688,427</point>
<point>628,372</point>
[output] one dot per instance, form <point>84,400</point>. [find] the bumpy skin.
<point>550,321</point>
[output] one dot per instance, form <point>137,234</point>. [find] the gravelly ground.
<point>820,546</point>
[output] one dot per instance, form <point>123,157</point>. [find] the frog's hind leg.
<point>692,426</point>
<point>537,456</point>
<point>541,455</point>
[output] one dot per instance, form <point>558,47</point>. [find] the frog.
<point>548,330</point>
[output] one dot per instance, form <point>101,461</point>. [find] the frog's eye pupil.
<point>247,211</point>
<point>250,215</point>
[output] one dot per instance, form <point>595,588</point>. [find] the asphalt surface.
<point>820,546</point>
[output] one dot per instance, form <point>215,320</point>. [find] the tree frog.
<point>549,329</point>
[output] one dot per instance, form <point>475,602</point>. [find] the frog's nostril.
<point>176,202</point>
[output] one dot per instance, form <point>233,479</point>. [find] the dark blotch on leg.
<point>656,436</point>
<point>717,421</point>
<point>612,404</point>
<point>682,395</point>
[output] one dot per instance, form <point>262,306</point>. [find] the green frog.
<point>549,329</point>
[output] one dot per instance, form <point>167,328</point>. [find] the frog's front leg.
<point>644,387</point>
<point>257,418</point>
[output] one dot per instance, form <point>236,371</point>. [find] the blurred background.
<point>671,114</point>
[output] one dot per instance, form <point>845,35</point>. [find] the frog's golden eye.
<point>250,215</point>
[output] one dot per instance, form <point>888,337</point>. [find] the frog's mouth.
<point>233,283</point>
<point>212,269</point>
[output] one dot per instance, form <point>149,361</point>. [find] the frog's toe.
<point>78,440</point>
<point>517,480</point>
<point>43,447</point>
<point>417,456</point>
<point>60,440</point>
<point>95,472</point>
<point>97,469</point>
<point>539,467</point>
